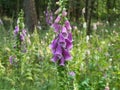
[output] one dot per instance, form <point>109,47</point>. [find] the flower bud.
<point>64,13</point>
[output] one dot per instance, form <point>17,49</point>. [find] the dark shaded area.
<point>94,10</point>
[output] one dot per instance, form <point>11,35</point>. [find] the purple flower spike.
<point>69,44</point>
<point>62,41</point>
<point>67,24</point>
<point>57,19</point>
<point>64,32</point>
<point>58,52</point>
<point>66,55</point>
<point>16,30</point>
<point>62,44</point>
<point>49,16</point>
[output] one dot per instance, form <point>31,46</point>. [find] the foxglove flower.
<point>62,40</point>
<point>58,52</point>
<point>69,44</point>
<point>49,17</point>
<point>64,32</point>
<point>62,61</point>
<point>55,58</point>
<point>66,55</point>
<point>62,44</point>
<point>70,37</point>
<point>64,13</point>
<point>22,37</point>
<point>67,24</point>
<point>24,32</point>
<point>16,31</point>
<point>57,19</point>
<point>53,45</point>
<point>56,27</point>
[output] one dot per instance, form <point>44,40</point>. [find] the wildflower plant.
<point>49,14</point>
<point>19,48</point>
<point>62,43</point>
<point>19,32</point>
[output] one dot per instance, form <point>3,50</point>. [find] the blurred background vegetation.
<point>91,10</point>
<point>96,57</point>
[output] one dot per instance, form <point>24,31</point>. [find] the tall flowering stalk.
<point>19,45</point>
<point>49,16</point>
<point>20,32</point>
<point>62,44</point>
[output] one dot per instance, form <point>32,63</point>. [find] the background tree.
<point>30,14</point>
<point>102,10</point>
<point>88,14</point>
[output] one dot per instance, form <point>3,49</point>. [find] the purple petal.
<point>70,37</point>
<point>24,32</point>
<point>66,55</point>
<point>16,30</point>
<point>58,52</point>
<point>53,45</point>
<point>62,40</point>
<point>56,27</point>
<point>22,37</point>
<point>67,24</point>
<point>57,19</point>
<point>62,62</point>
<point>54,59</point>
<point>64,13</point>
<point>69,44</point>
<point>64,32</point>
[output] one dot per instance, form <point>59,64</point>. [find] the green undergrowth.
<point>95,61</point>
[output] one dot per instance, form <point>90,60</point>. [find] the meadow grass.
<point>95,61</point>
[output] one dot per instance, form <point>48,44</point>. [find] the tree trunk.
<point>30,14</point>
<point>86,10</point>
<point>89,15</point>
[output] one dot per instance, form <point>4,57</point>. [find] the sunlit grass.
<point>95,61</point>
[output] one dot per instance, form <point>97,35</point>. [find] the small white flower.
<point>87,38</point>
<point>110,59</point>
<point>103,42</point>
<point>114,24</point>
<point>85,25</point>
<point>1,22</point>
<point>88,52</point>
<point>94,26</point>
<point>83,11</point>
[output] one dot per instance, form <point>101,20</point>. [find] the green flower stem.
<point>62,77</point>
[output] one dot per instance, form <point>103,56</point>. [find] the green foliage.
<point>95,62</point>
<point>95,59</point>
